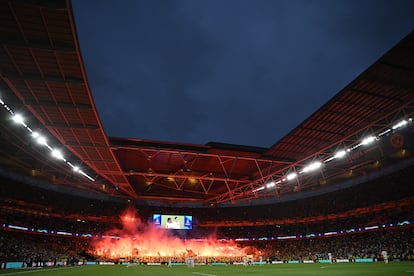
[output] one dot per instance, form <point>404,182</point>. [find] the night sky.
<point>230,71</point>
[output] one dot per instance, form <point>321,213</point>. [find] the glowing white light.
<point>57,154</point>
<point>41,140</point>
<point>35,134</point>
<point>313,166</point>
<point>384,132</point>
<point>258,189</point>
<point>270,185</point>
<point>340,154</point>
<point>85,175</point>
<point>368,140</point>
<point>291,176</point>
<point>18,119</point>
<point>400,124</point>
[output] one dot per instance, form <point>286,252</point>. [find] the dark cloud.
<point>242,72</point>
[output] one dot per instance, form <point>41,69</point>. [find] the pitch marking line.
<point>204,274</point>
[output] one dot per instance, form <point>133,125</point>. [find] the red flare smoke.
<point>142,239</point>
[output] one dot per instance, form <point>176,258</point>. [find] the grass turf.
<point>336,269</point>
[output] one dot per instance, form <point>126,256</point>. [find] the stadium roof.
<point>44,79</point>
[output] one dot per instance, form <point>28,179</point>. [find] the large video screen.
<point>173,221</point>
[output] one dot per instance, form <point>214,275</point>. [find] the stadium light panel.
<point>400,124</point>
<point>384,132</point>
<point>368,140</point>
<point>312,166</point>
<point>41,140</point>
<point>258,189</point>
<point>17,118</point>
<point>270,185</point>
<point>57,154</point>
<point>85,175</point>
<point>291,176</point>
<point>340,154</point>
<point>35,134</point>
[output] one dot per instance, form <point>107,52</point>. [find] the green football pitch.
<point>366,269</point>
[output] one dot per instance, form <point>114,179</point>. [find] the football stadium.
<point>335,196</point>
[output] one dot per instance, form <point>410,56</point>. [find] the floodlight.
<point>85,175</point>
<point>368,140</point>
<point>18,119</point>
<point>291,176</point>
<point>340,154</point>
<point>270,185</point>
<point>258,189</point>
<point>312,166</point>
<point>400,124</point>
<point>57,154</point>
<point>384,132</point>
<point>41,140</point>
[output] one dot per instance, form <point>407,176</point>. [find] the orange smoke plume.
<point>137,238</point>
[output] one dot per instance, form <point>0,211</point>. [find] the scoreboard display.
<point>173,221</point>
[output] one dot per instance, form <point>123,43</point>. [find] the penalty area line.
<point>204,274</point>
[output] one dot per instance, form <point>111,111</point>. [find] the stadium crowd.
<point>37,250</point>
<point>398,243</point>
<point>386,200</point>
